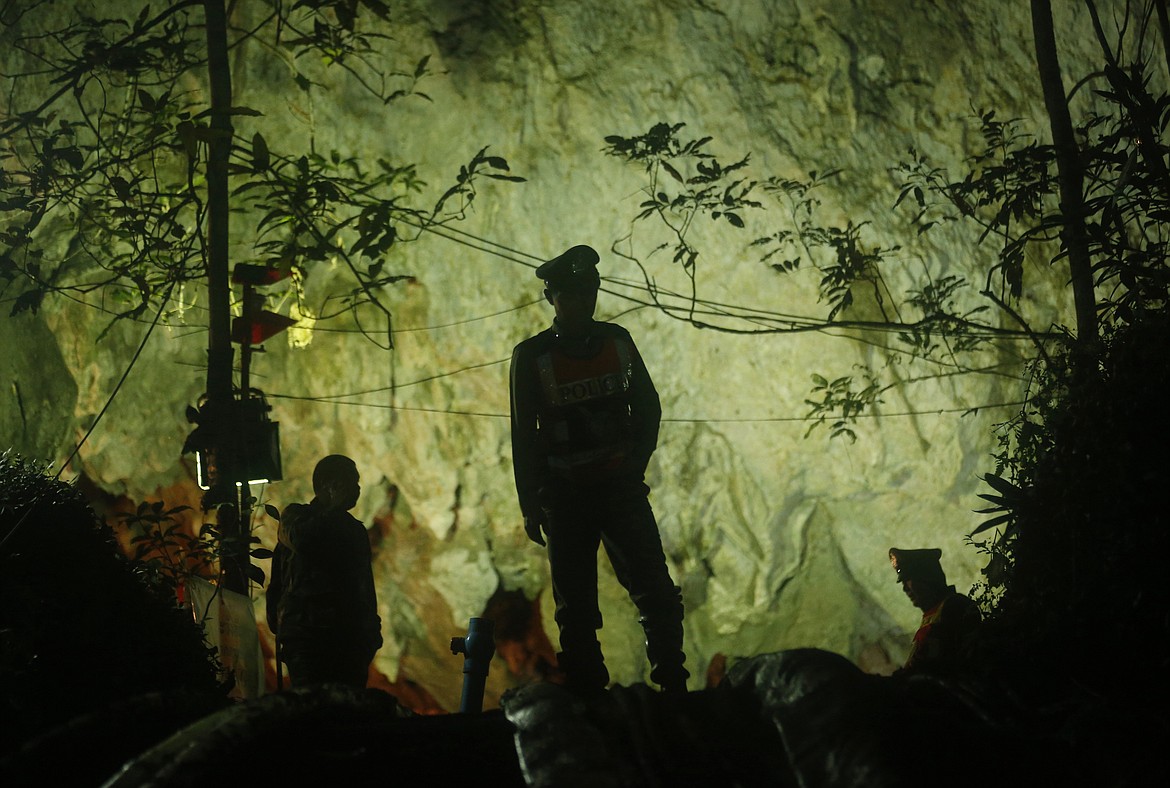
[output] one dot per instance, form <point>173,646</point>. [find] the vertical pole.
<point>1070,173</point>
<point>478,649</point>
<point>220,395</point>
<point>219,350</point>
<point>249,315</point>
<point>234,555</point>
<point>244,432</point>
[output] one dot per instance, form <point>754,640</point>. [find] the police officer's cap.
<point>575,268</point>
<point>922,564</point>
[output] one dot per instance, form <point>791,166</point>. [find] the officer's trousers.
<point>578,520</point>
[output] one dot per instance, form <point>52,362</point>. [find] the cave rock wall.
<point>778,540</point>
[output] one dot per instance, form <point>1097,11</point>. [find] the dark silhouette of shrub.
<point>1079,595</point>
<point>80,628</point>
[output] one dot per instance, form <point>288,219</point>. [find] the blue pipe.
<point>478,647</point>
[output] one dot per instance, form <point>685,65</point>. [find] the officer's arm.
<point>527,462</point>
<point>645,410</point>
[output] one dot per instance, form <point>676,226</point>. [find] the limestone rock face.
<point>778,540</point>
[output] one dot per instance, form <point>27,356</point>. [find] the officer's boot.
<point>662,621</point>
<point>583,666</point>
<point>664,649</point>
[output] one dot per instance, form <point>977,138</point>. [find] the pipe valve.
<point>478,648</point>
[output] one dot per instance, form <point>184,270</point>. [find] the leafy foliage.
<point>685,182</point>
<point>163,550</point>
<point>837,252</point>
<point>167,554</point>
<point>936,319</point>
<point>840,402</point>
<point>79,625</point>
<point>76,172</point>
<point>1012,191</point>
<point>103,157</point>
<point>1078,542</point>
<point>1077,532</point>
<point>945,327</point>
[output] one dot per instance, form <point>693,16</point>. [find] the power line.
<point>768,321</point>
<point>455,323</point>
<point>337,398</point>
<point>328,400</point>
<point>896,414</point>
<point>384,406</point>
<point>637,305</point>
<point>199,328</point>
<point>715,308</point>
<point>506,250</point>
<point>101,413</point>
<point>118,387</point>
<point>758,316</point>
<point>439,376</point>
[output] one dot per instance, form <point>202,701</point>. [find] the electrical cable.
<point>101,413</point>
<point>764,318</point>
<point>675,420</point>
<point>118,387</point>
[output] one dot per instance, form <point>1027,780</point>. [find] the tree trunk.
<point>220,394</point>
<point>1070,173</point>
<point>1164,28</point>
<point>219,348</point>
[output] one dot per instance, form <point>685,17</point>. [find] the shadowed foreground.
<point>796,718</point>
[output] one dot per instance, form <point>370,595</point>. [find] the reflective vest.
<point>584,421</point>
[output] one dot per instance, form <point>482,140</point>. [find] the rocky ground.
<point>804,718</point>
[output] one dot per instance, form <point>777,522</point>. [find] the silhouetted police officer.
<point>949,620</point>
<point>585,419</point>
